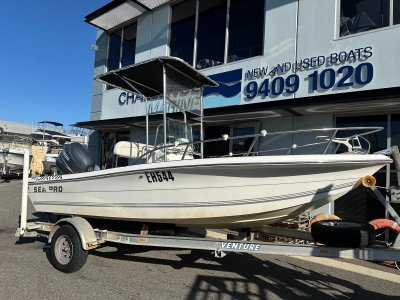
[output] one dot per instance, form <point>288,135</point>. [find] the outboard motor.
<point>74,159</point>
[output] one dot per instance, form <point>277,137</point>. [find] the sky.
<point>46,60</point>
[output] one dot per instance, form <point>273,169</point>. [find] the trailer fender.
<point>82,227</point>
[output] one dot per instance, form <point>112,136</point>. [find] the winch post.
<point>386,204</point>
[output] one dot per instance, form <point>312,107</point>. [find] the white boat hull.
<point>236,192</point>
<point>11,160</point>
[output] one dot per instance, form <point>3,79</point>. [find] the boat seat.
<point>130,149</point>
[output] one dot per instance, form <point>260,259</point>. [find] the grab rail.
<point>264,134</point>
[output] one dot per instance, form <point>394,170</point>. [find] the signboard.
<point>258,81</point>
<point>333,72</point>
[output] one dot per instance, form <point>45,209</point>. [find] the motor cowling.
<point>74,158</point>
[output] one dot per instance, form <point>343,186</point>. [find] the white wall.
<point>152,34</point>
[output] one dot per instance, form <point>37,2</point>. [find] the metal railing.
<point>351,141</point>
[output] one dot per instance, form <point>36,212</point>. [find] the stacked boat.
<point>12,149</point>
<point>51,136</point>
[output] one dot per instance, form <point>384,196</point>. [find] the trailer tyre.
<point>66,252</point>
<point>340,233</point>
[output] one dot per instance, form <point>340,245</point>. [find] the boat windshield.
<point>177,133</point>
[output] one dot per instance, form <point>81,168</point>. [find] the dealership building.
<point>281,65</point>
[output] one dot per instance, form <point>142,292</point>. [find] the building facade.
<point>280,64</point>
<point>15,128</point>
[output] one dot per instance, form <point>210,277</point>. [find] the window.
<point>246,29</point>
<point>121,47</point>
<point>395,134</point>
<point>114,50</point>
<point>364,15</point>
<point>358,204</point>
<point>128,46</point>
<point>227,30</point>
<point>211,33</point>
<point>182,30</point>
<point>376,140</point>
<point>396,12</point>
<point>107,143</point>
<point>242,145</point>
<point>395,141</point>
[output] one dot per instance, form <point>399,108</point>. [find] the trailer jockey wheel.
<point>66,252</point>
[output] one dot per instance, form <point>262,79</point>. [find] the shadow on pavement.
<point>259,279</point>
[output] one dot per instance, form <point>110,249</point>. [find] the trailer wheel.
<point>340,233</point>
<point>66,252</point>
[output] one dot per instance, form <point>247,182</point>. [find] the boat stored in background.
<point>12,153</point>
<point>52,137</point>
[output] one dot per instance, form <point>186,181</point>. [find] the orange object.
<point>385,223</point>
<point>368,181</point>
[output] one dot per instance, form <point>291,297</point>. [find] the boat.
<point>12,149</point>
<point>50,158</point>
<point>51,134</point>
<point>78,135</point>
<point>170,181</point>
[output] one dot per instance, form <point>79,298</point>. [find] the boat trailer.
<point>71,239</point>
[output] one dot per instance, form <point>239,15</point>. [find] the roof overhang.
<point>250,112</point>
<point>118,12</point>
<point>121,124</point>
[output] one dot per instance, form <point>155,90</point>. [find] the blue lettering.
<point>367,52</point>
<point>342,56</point>
<point>321,60</point>
<point>131,98</point>
<point>333,58</point>
<point>122,100</point>
<point>256,73</point>
<point>306,63</point>
<point>351,55</point>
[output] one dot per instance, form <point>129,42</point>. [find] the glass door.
<point>232,146</point>
<point>108,141</point>
<point>242,145</point>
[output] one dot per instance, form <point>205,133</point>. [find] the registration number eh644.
<point>159,176</point>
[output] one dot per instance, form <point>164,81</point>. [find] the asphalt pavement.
<point>150,273</point>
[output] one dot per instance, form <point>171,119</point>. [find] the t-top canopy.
<point>147,77</point>
<point>51,122</point>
